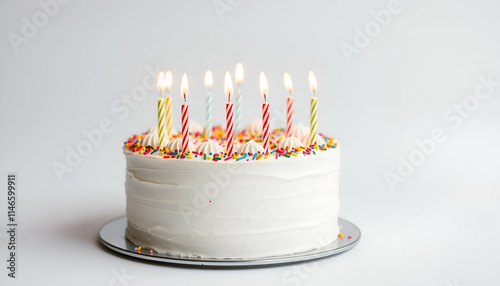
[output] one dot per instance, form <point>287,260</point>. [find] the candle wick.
<point>184,97</point>
<point>265,97</point>
<point>229,97</point>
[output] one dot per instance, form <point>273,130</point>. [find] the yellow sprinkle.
<point>209,158</point>
<point>267,155</point>
<point>293,154</point>
<point>341,235</point>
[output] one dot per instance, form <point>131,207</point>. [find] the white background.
<point>437,227</point>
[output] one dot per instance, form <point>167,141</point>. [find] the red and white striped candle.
<point>185,114</point>
<point>228,91</point>
<point>289,105</point>
<point>265,112</point>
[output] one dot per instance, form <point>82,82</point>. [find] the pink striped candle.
<point>185,114</point>
<point>229,129</point>
<point>185,126</point>
<point>289,116</point>
<point>265,112</point>
<point>265,126</point>
<point>228,90</point>
<point>289,104</point>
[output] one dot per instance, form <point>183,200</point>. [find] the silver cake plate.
<point>112,235</point>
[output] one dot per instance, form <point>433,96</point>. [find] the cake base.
<point>112,235</point>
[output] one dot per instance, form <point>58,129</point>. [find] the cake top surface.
<point>247,144</point>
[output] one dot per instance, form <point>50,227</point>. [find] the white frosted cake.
<point>253,204</point>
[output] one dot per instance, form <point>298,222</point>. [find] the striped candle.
<point>208,114</point>
<point>185,126</point>
<point>265,112</point>
<point>289,116</point>
<point>168,110</point>
<point>185,114</point>
<point>239,75</point>
<point>289,104</point>
<point>313,85</point>
<point>314,119</point>
<point>229,129</point>
<point>238,109</point>
<point>209,81</point>
<point>161,122</point>
<point>228,91</point>
<point>265,126</point>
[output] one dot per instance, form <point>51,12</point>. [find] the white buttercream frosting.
<point>151,138</point>
<point>209,146</point>
<point>254,127</point>
<point>319,140</point>
<point>300,131</point>
<point>290,142</point>
<point>232,209</point>
<point>176,144</point>
<point>251,147</point>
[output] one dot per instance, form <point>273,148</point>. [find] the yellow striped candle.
<point>168,109</point>
<point>160,86</point>
<point>161,122</point>
<point>314,119</point>
<point>168,104</point>
<point>313,85</point>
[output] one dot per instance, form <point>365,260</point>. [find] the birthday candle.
<point>185,114</point>
<point>265,112</point>
<point>160,86</point>
<point>239,75</point>
<point>228,90</point>
<point>208,112</point>
<point>168,103</point>
<point>313,85</point>
<point>289,105</point>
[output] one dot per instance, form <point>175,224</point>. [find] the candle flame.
<point>263,86</point>
<point>209,79</point>
<point>160,85</point>
<point>184,87</point>
<point>288,82</point>
<point>313,83</point>
<point>228,86</point>
<point>239,73</point>
<point>168,81</point>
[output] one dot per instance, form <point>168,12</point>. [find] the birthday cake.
<point>274,193</point>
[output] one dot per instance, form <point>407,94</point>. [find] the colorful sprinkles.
<point>133,144</point>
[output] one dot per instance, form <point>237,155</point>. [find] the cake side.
<point>232,209</point>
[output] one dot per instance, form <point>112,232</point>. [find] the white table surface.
<point>438,227</point>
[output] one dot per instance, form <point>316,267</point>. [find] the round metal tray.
<point>112,235</point>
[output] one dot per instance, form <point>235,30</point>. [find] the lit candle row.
<point>165,108</point>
